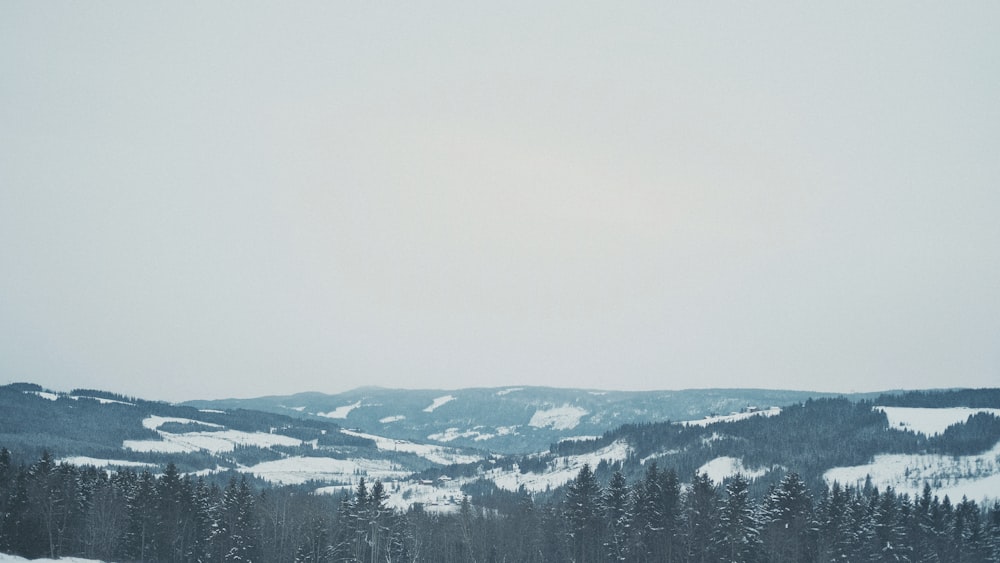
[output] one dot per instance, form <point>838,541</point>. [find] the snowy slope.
<point>974,476</point>
<point>929,421</point>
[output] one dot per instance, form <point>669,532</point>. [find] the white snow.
<point>503,392</point>
<point>298,470</point>
<point>101,400</point>
<point>213,411</point>
<point>436,454</point>
<point>929,421</point>
<point>733,417</point>
<point>215,442</point>
<point>563,469</point>
<point>7,558</point>
<point>154,422</point>
<point>438,402</point>
<point>341,412</point>
<point>453,433</point>
<point>44,395</point>
<point>297,409</point>
<point>83,460</point>
<point>974,476</point>
<point>721,467</point>
<point>559,418</point>
<point>394,418</point>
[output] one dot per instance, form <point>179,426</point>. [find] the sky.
<point>235,199</point>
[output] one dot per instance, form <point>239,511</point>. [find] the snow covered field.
<point>438,402</point>
<point>732,417</point>
<point>83,460</point>
<point>721,467</point>
<point>565,417</point>
<point>566,469</point>
<point>340,412</point>
<point>976,477</point>
<point>298,470</point>
<point>5,558</point>
<point>215,441</point>
<point>436,454</point>
<point>929,421</point>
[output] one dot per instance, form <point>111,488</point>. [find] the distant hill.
<point>511,420</point>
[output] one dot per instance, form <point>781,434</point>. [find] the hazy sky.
<point>213,199</point>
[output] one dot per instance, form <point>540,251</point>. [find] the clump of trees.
<point>50,509</point>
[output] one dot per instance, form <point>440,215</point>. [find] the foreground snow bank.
<point>5,558</point>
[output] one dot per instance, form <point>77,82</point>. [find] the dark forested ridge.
<point>649,503</point>
<point>58,510</point>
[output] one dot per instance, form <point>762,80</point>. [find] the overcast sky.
<point>216,199</point>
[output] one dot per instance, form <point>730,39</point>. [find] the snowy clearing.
<point>733,417</point>
<point>438,402</point>
<point>6,558</point>
<point>435,454</point>
<point>394,418</point>
<point>298,470</point>
<point>721,467</point>
<point>503,392</point>
<point>566,469</point>
<point>340,412</point>
<point>929,421</point>
<point>101,400</point>
<point>974,476</point>
<point>212,411</point>
<point>154,422</point>
<point>453,434</point>
<point>565,417</point>
<point>83,460</point>
<point>44,395</point>
<point>215,442</point>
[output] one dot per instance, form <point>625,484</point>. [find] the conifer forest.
<point>50,509</point>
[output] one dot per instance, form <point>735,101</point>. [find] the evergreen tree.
<point>788,515</point>
<point>583,516</point>
<point>737,538</point>
<point>616,517</point>
<point>700,516</point>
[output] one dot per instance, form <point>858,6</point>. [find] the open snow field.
<point>929,421</point>
<point>732,417</point>
<point>5,558</point>
<point>976,476</point>
<point>436,454</point>
<point>721,467</point>
<point>298,470</point>
<point>215,442</point>
<point>565,417</point>
<point>565,471</point>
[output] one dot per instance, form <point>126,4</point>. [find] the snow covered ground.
<point>215,441</point>
<point>298,470</point>
<point>340,412</point>
<point>732,417</point>
<point>7,558</point>
<point>721,467</point>
<point>976,476</point>
<point>566,468</point>
<point>83,460</point>
<point>394,418</point>
<point>436,454</point>
<point>438,402</point>
<point>565,417</point>
<point>929,421</point>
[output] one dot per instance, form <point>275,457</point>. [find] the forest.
<point>50,509</point>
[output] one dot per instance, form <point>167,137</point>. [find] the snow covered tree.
<point>583,516</point>
<point>616,517</point>
<point>737,537</point>
<point>788,521</point>
<point>699,518</point>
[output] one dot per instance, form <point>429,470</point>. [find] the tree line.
<point>50,509</point>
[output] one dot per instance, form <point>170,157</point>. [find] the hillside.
<point>510,420</point>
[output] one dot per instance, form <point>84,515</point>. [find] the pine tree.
<point>700,516</point>
<point>616,517</point>
<point>788,515</point>
<point>737,538</point>
<point>583,499</point>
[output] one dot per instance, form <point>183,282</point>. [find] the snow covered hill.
<point>512,420</point>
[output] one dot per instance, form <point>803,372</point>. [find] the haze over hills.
<point>511,420</point>
<point>435,446</point>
